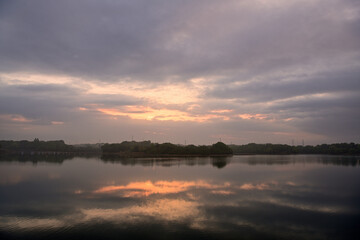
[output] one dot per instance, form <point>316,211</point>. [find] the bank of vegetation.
<point>124,149</point>
<point>58,146</point>
<point>334,149</point>
<point>147,148</point>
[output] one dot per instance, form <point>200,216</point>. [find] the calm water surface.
<point>240,197</point>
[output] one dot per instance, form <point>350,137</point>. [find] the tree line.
<point>45,146</point>
<point>126,148</point>
<point>148,148</point>
<point>336,148</point>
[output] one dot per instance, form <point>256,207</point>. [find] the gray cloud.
<point>282,87</point>
<point>54,102</point>
<point>152,41</point>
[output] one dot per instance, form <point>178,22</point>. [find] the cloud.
<point>290,86</point>
<point>245,69</point>
<point>47,101</point>
<point>151,42</point>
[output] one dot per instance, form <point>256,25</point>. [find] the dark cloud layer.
<point>292,86</point>
<point>157,39</point>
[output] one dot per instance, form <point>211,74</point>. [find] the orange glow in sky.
<point>15,118</point>
<point>252,116</point>
<point>148,113</point>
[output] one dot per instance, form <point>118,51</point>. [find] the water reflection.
<point>302,159</point>
<point>161,209</point>
<point>93,199</point>
<point>36,158</point>
<point>140,189</point>
<point>218,162</point>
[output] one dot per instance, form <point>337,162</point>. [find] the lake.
<point>239,197</point>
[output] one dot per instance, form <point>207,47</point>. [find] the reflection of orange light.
<point>291,183</point>
<point>249,186</point>
<point>148,113</point>
<point>147,188</point>
<point>138,189</point>
<point>167,209</point>
<point>222,192</point>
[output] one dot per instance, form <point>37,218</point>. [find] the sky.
<point>180,71</point>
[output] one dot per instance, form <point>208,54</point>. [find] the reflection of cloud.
<point>9,180</point>
<point>29,223</point>
<point>313,207</point>
<point>164,209</point>
<point>147,188</point>
<point>54,176</point>
<point>291,183</point>
<point>222,192</point>
<point>259,186</point>
<point>249,186</point>
<point>138,189</point>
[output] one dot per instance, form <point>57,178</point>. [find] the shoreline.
<point>150,155</point>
